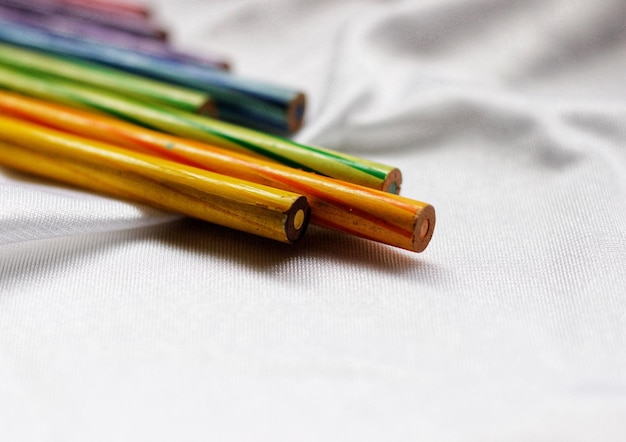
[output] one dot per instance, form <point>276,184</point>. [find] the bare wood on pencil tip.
<point>295,112</point>
<point>392,182</point>
<point>208,108</point>
<point>424,228</point>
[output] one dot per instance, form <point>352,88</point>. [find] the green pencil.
<point>107,78</point>
<point>167,119</point>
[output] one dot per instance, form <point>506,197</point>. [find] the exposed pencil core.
<point>297,220</point>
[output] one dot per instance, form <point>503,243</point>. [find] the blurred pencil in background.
<point>112,18</point>
<point>79,71</point>
<point>250,103</point>
<point>66,26</point>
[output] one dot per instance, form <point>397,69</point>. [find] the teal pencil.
<point>218,133</point>
<point>264,106</point>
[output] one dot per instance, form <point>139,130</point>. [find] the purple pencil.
<point>62,26</point>
<point>132,25</point>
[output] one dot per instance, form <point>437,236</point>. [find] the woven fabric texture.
<point>119,322</point>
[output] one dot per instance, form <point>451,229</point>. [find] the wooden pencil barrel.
<point>356,210</point>
<point>252,103</point>
<point>106,78</point>
<point>163,118</point>
<point>245,206</point>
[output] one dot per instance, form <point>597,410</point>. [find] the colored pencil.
<point>250,103</point>
<point>107,78</point>
<point>249,207</point>
<point>356,210</point>
<point>124,8</point>
<point>167,119</point>
<point>131,25</point>
<point>63,26</point>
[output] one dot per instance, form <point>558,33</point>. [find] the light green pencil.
<point>167,119</point>
<point>93,74</point>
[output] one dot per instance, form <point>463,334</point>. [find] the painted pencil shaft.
<point>314,159</point>
<point>250,103</point>
<point>107,78</point>
<point>63,26</point>
<point>371,214</point>
<point>227,201</point>
<point>132,25</point>
<point>122,8</point>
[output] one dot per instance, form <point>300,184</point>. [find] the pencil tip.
<point>424,228</point>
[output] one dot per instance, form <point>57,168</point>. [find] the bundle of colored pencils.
<point>124,119</point>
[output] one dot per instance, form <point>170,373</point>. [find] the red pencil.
<point>123,8</point>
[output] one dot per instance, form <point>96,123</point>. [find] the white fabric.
<point>121,323</point>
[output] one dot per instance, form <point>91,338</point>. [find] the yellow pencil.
<point>356,210</point>
<point>242,205</point>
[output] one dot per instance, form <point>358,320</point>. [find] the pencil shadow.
<point>346,250</point>
<point>44,257</point>
<point>243,249</point>
<point>252,253</point>
<point>265,255</point>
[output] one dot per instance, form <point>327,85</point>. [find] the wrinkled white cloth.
<point>121,322</point>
